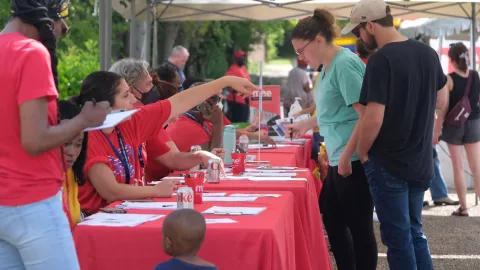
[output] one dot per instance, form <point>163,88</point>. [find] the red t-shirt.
<point>156,147</point>
<point>226,122</point>
<point>186,132</point>
<point>236,70</point>
<point>134,132</point>
<point>25,74</point>
<point>365,60</point>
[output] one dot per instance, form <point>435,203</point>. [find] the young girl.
<point>115,161</point>
<point>74,159</point>
<point>345,200</point>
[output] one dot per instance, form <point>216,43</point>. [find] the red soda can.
<point>185,198</point>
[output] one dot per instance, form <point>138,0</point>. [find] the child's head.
<point>183,232</point>
<point>74,149</point>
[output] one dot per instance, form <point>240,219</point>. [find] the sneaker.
<point>446,201</point>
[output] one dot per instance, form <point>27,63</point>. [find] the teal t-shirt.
<point>338,88</point>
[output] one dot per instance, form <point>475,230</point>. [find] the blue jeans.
<point>438,188</point>
<point>399,206</point>
<point>36,236</point>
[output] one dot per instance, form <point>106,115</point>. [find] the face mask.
<point>150,97</point>
<point>240,61</point>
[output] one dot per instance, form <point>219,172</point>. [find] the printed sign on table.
<point>270,99</point>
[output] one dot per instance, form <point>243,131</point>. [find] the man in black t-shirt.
<point>395,132</point>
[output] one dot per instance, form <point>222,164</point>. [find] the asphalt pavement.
<point>454,241</point>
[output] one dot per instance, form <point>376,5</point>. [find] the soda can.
<point>195,148</point>
<point>185,198</point>
<point>213,171</point>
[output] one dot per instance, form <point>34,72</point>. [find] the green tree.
<point>74,65</point>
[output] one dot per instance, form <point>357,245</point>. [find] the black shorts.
<point>469,132</point>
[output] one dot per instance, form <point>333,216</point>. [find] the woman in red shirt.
<point>34,231</point>
<point>115,159</point>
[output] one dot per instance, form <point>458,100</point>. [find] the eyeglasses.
<point>65,29</point>
<point>356,30</point>
<point>300,51</point>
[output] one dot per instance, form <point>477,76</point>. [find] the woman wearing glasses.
<point>34,230</point>
<point>345,200</point>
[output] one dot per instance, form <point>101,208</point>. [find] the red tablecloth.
<point>294,155</point>
<point>308,225</point>
<point>262,242</point>
<point>286,155</point>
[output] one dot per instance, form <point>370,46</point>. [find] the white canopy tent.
<point>257,10</point>
<point>435,28</point>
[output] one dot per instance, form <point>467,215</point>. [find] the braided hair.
<point>42,14</point>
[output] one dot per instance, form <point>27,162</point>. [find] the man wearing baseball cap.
<point>401,90</point>
<point>238,106</point>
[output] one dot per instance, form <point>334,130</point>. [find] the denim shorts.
<point>469,132</point>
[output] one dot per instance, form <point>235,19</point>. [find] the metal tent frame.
<point>256,10</point>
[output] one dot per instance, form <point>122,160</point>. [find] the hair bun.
<point>324,15</point>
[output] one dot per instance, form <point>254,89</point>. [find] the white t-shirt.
<point>297,78</point>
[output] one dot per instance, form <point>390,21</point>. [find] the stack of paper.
<point>260,146</point>
<point>229,199</point>
<point>114,118</point>
<point>219,220</point>
<point>253,170</point>
<point>148,205</point>
<point>118,220</point>
<point>278,178</point>
<point>234,211</point>
<point>256,195</point>
<point>269,174</point>
<point>275,168</point>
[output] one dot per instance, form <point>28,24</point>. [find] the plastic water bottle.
<point>229,143</point>
<point>295,107</point>
<point>243,143</point>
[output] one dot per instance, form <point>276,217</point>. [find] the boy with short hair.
<point>183,234</point>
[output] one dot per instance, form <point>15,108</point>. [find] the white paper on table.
<point>118,220</point>
<point>269,174</point>
<point>114,118</point>
<point>253,170</point>
<point>178,178</point>
<point>250,158</point>
<point>234,211</point>
<point>209,194</point>
<point>254,146</point>
<point>227,170</point>
<point>148,205</point>
<point>266,179</point>
<point>256,195</point>
<point>233,178</point>
<point>276,168</point>
<point>219,220</point>
<point>229,199</point>
<point>287,140</point>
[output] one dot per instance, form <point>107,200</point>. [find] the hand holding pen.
<point>94,113</point>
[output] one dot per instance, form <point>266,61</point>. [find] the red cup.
<point>195,181</point>
<point>238,163</point>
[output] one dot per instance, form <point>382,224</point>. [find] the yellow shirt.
<point>315,112</point>
<point>71,192</point>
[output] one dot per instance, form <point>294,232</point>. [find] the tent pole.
<point>133,15</point>
<point>473,38</point>
<point>108,34</point>
<point>148,29</point>
<point>102,33</point>
<point>473,52</point>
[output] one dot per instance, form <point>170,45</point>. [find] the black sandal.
<point>460,212</point>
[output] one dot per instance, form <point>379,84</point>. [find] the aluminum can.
<point>195,148</point>
<point>185,198</point>
<point>213,171</point>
